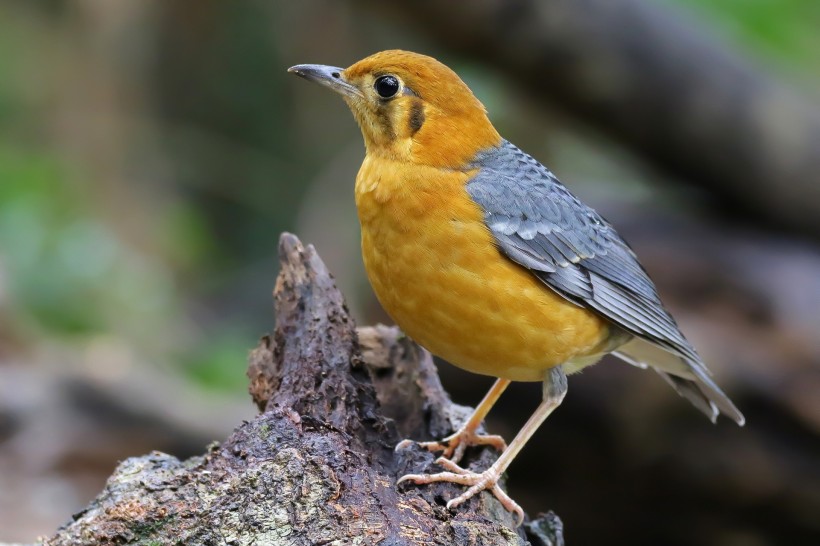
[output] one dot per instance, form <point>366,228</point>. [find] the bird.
<point>482,256</point>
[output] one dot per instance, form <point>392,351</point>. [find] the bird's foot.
<point>477,482</point>
<point>454,446</point>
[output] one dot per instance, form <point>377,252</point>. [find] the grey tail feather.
<point>703,388</point>
<point>690,379</point>
<point>703,400</point>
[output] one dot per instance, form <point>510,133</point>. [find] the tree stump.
<point>317,465</point>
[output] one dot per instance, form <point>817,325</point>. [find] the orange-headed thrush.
<point>483,257</point>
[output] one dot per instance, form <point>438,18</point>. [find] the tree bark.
<point>317,466</point>
<point>646,75</point>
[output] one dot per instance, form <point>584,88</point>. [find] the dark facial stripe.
<point>383,115</point>
<point>416,119</point>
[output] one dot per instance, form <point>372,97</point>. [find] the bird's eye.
<point>386,86</point>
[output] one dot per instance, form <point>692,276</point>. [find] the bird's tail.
<point>689,378</point>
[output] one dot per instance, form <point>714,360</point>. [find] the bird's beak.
<point>329,76</point>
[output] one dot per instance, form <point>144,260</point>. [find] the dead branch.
<point>317,466</point>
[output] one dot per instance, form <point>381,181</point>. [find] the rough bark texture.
<point>648,76</point>
<point>317,466</point>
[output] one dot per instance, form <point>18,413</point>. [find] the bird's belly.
<point>439,275</point>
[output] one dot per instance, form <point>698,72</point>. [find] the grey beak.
<point>329,76</point>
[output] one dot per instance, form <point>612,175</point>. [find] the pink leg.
<point>455,445</point>
<point>555,388</point>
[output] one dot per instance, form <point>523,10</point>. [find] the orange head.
<point>410,107</point>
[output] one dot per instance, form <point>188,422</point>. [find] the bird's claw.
<point>477,482</point>
<point>454,446</point>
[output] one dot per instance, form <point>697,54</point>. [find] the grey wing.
<point>539,224</point>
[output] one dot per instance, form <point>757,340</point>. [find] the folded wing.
<point>539,224</point>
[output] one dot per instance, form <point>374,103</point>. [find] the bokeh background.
<point>151,152</point>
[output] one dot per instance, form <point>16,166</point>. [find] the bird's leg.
<point>555,388</point>
<point>453,446</point>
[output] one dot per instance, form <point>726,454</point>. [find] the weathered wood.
<point>317,466</point>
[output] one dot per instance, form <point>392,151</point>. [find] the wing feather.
<point>540,225</point>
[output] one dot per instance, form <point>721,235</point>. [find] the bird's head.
<point>410,107</point>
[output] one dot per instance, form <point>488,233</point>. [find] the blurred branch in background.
<point>648,77</point>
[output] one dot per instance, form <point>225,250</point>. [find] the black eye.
<point>386,86</point>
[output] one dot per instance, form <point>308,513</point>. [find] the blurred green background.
<point>151,153</point>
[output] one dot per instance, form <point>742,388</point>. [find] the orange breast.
<point>435,269</point>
